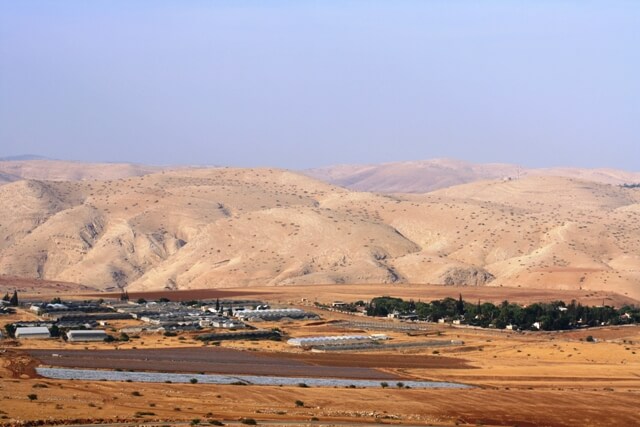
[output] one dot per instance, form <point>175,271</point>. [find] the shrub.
<point>384,384</point>
<point>193,380</point>
<point>590,338</point>
<point>249,421</point>
<point>299,403</point>
<point>136,393</point>
<point>32,396</point>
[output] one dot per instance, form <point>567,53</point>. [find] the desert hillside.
<point>60,170</point>
<point>428,175</point>
<point>202,228</point>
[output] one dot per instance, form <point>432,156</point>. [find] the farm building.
<point>335,340</point>
<point>86,335</point>
<point>34,332</point>
<point>274,314</point>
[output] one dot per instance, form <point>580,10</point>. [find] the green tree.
<point>14,299</point>
<point>460,306</point>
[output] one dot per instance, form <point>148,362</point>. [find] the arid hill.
<point>59,170</point>
<point>428,175</point>
<point>208,228</point>
<point>5,178</point>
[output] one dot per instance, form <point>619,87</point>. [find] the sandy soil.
<point>555,379</point>
<point>181,295</point>
<point>423,292</point>
<point>35,287</point>
<point>353,292</point>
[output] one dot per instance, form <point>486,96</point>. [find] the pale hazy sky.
<point>299,84</point>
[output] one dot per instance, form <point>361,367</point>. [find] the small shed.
<point>33,332</point>
<point>86,335</point>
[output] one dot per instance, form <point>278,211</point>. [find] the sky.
<point>299,84</point>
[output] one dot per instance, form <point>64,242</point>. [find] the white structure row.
<point>86,335</point>
<point>335,340</point>
<point>33,332</point>
<point>273,314</point>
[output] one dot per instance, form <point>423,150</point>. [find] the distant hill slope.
<point>22,157</point>
<point>5,178</point>
<point>208,228</point>
<point>428,175</point>
<point>59,170</point>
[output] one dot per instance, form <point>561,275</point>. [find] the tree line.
<point>556,315</point>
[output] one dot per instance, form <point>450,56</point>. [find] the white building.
<point>335,340</point>
<point>34,332</point>
<point>274,314</point>
<point>86,335</point>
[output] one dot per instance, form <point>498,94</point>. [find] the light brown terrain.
<point>60,170</point>
<point>427,175</point>
<point>524,379</point>
<point>221,228</point>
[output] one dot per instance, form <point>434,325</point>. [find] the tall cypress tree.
<point>14,299</point>
<point>460,306</point>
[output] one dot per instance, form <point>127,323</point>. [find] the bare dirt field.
<point>37,287</point>
<point>181,295</point>
<point>229,361</point>
<point>354,292</point>
<point>483,406</point>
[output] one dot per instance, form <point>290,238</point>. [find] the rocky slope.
<point>203,228</point>
<point>428,175</point>
<point>59,170</point>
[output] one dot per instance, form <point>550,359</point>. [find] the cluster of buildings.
<point>173,316</point>
<point>88,314</point>
<point>268,314</point>
<point>79,321</point>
